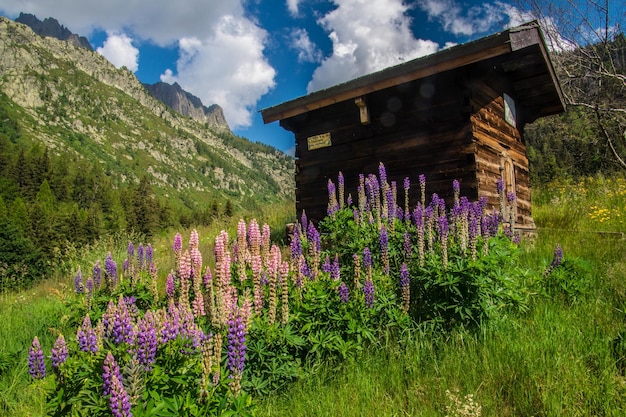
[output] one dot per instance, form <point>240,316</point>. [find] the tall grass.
<point>562,357</point>
<point>42,310</point>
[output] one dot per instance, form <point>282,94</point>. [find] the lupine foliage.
<point>260,317</point>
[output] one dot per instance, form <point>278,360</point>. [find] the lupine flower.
<point>236,347</point>
<point>140,257</point>
<point>36,365</point>
<point>405,287</point>
<point>422,181</point>
<point>341,184</point>
<point>149,254</point>
<point>122,330</point>
<point>456,188</point>
<point>110,369</point>
<point>86,336</point>
<point>368,292</point>
<point>284,272</point>
<point>407,186</point>
<point>110,271</point>
<point>120,400</point>
<point>558,256</point>
<point>130,250</point>
<point>335,271</point>
<point>556,260</point>
<point>146,342</point>
<point>349,200</point>
<point>170,286</point>
<point>89,286</point>
<point>97,274</point>
<point>177,246</point>
<point>78,282</point>
<point>382,173</point>
<point>326,264</point>
<point>500,185</point>
<point>304,221</point>
<point>59,353</point>
<point>344,292</point>
<point>333,206</point>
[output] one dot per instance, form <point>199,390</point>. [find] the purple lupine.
<point>122,330</point>
<point>89,286</point>
<point>236,346</point>
<point>326,265</point>
<point>140,256</point>
<point>500,185</point>
<point>422,181</point>
<point>296,245</point>
<point>304,222</point>
<point>146,341</point>
<point>333,206</point>
<point>97,274</point>
<point>558,256</point>
<point>408,246</point>
<point>78,283</point>
<point>86,336</point>
<point>368,293</point>
<point>149,253</point>
<point>335,271</point>
<point>177,246</point>
<point>36,365</point>
<point>59,353</point>
<point>349,200</point>
<point>341,185</point>
<point>110,369</point>
<point>130,250</point>
<point>510,197</point>
<point>456,188</point>
<point>391,205</point>
<point>170,286</point>
<point>405,287</point>
<point>120,400</point>
<point>367,258</point>
<point>382,173</point>
<point>344,292</point>
<point>110,271</point>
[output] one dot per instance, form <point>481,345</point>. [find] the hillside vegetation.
<point>86,151</point>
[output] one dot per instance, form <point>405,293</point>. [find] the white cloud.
<point>307,50</point>
<point>465,21</point>
<point>161,21</point>
<point>119,50</point>
<point>292,6</point>
<point>227,67</point>
<point>367,35</point>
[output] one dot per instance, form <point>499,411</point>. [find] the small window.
<point>510,114</point>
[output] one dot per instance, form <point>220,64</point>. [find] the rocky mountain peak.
<point>52,28</point>
<point>183,102</point>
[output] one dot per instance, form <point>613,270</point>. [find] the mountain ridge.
<point>172,95</point>
<point>76,102</point>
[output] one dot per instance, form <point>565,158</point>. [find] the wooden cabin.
<point>457,114</point>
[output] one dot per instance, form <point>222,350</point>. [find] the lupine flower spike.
<point>36,365</point>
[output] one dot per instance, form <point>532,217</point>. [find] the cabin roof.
<point>520,52</point>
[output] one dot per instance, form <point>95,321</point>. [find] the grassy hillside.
<point>548,339</point>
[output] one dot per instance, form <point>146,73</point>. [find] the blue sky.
<point>246,55</point>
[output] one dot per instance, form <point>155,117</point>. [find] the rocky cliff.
<point>183,102</point>
<point>51,27</point>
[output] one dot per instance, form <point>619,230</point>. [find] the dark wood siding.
<point>496,140</point>
<point>417,128</point>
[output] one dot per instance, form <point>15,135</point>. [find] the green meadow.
<point>510,336</point>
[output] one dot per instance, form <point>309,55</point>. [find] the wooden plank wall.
<point>494,137</point>
<point>411,132</point>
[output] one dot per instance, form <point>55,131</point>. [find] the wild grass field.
<point>439,329</point>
